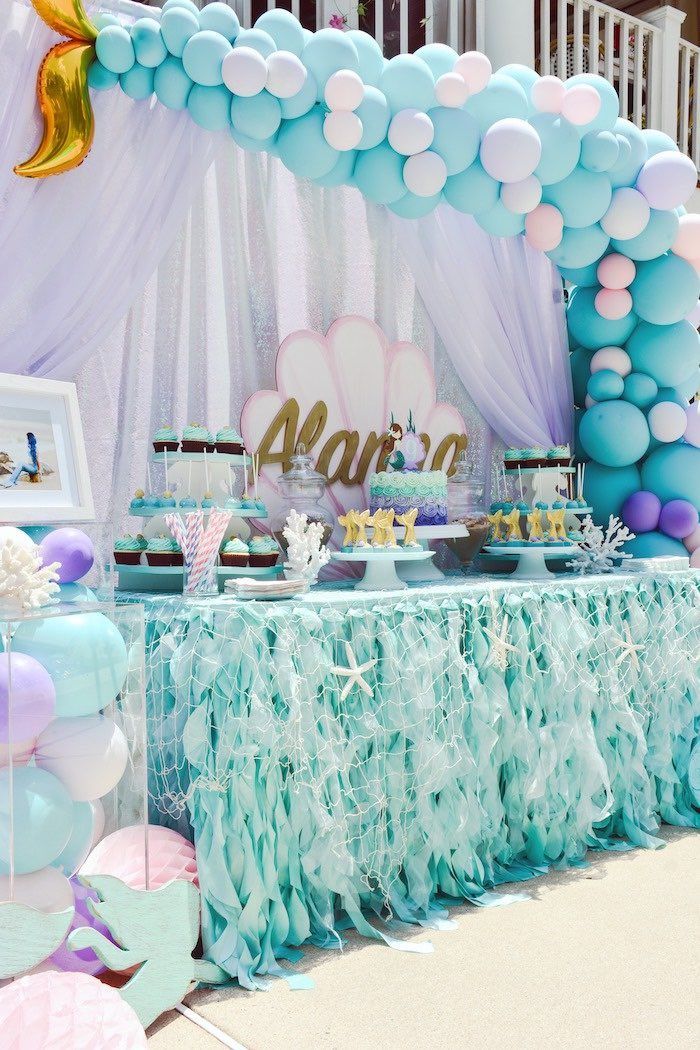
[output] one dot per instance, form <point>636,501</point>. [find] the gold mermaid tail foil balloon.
<point>62,91</point>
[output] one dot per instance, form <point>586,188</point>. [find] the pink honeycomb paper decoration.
<point>122,854</point>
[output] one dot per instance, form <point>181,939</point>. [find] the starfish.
<point>501,647</point>
<point>628,649</point>
<point>354,672</point>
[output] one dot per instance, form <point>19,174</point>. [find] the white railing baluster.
<point>453,38</point>
<point>429,22</point>
<point>624,67</point>
<point>545,37</point>
<point>684,86</point>
<point>578,37</point>
<point>638,78</point>
<point>609,46</point>
<point>594,38</point>
<point>379,23</point>
<point>696,109</point>
<point>247,14</point>
<point>295,9</point>
<point>403,25</point>
<point>562,25</point>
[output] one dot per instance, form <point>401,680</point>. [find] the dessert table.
<point>347,758</point>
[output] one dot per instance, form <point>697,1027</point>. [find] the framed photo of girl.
<point>43,463</point>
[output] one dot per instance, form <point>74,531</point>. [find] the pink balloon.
<point>613,304</point>
<point>667,180</point>
<point>616,271</point>
<point>547,94</point>
<point>692,426</point>
<point>122,854</point>
<point>544,227</point>
<point>581,104</point>
<point>692,542</point>
<point>475,70</point>
<point>687,242</point>
<point>695,559</point>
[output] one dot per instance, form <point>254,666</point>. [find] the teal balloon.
<point>667,353</point>
<point>114,49</point>
<point>172,85</point>
<point>655,239</point>
<point>412,207</point>
<point>591,330</point>
<point>439,58</point>
<point>670,393</point>
<point>609,102</point>
<point>599,150</point>
<point>101,20</point>
<point>203,56</point>
<point>561,147</point>
<point>149,46</point>
<point>614,433</point>
<point>101,78</point>
<point>43,819</point>
<point>688,387</point>
<point>37,532</point>
<point>177,26</point>
<point>69,593</point>
<point>328,51</point>
<point>342,170</point>
<point>605,385</point>
<point>658,142</point>
<point>284,29</point>
<point>379,174</point>
<point>302,147</point>
<point>655,545</point>
<point>580,248</point>
<point>665,289</point>
<point>456,138</point>
<point>580,363</point>
<point>522,75</point>
<point>369,55</point>
<point>583,276</point>
<point>302,102</point>
<point>258,40</point>
<point>472,191</point>
<point>220,18</point>
<point>606,489</point>
<point>375,115</point>
<point>673,472</point>
<point>583,197</point>
<point>500,222</point>
<point>407,83</point>
<point>187,5</point>
<point>85,655</point>
<point>640,390</point>
<point>624,172</point>
<point>501,98</point>
<point>256,145</point>
<point>579,451</point>
<point>78,846</point>
<point>257,116</point>
<point>137,82</point>
<point>210,107</point>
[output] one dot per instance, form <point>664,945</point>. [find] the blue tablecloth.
<point>497,728</point>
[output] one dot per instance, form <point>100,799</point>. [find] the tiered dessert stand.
<point>532,558</point>
<point>425,570</point>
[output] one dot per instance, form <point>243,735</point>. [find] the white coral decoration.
<point>306,554</point>
<point>24,582</point>
<point>598,549</point>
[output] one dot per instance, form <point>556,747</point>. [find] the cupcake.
<point>177,556</point>
<point>165,440</point>
<point>188,503</point>
<point>234,553</point>
<point>128,550</point>
<point>196,438</point>
<point>167,500</point>
<point>159,551</point>
<point>138,502</point>
<point>229,440</point>
<point>264,551</point>
<point>208,501</point>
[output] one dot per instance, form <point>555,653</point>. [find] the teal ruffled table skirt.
<point>501,728</point>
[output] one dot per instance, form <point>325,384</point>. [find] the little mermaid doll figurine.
<point>408,520</point>
<point>349,523</point>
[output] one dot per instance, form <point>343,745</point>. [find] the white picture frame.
<point>44,473</point>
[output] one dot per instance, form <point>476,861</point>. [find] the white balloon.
<point>581,104</point>
<point>9,532</point>
<point>47,890</point>
<point>244,71</point>
<point>286,74</point>
<point>628,214</point>
<point>613,359</point>
<point>411,131</point>
<point>667,421</point>
<point>342,130</point>
<point>510,150</point>
<point>344,90</point>
<point>98,828</point>
<point>522,197</point>
<point>451,90</point>
<point>88,755</point>
<point>547,94</point>
<point>475,70</point>
<point>667,180</point>
<point>425,174</point>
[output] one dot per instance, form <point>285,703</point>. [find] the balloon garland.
<point>524,154</point>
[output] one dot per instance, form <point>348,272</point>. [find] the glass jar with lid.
<point>302,489</point>
<point>465,490</point>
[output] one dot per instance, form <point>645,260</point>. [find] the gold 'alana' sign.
<point>284,430</point>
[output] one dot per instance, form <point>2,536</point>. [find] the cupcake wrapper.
<point>194,446</point>
<point>166,446</point>
<point>231,448</point>
<point>263,560</point>
<point>127,557</point>
<point>156,558</point>
<point>234,561</point>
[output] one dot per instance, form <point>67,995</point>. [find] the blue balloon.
<point>523,75</point>
<point>584,276</point>
<point>472,191</point>
<point>670,393</point>
<point>655,239</point>
<point>379,174</point>
<point>407,83</point>
<point>101,78</point>
<point>302,147</point>
<point>258,40</point>
<point>70,593</point>
<point>501,98</point>
<point>580,248</point>
<point>456,138</point>
<point>667,353</point>
<point>605,385</point>
<point>187,5</point>
<point>579,452</point>
<point>640,389</point>
<point>210,107</point>
<point>614,433</point>
<point>500,222</point>
<point>177,26</point>
<point>256,145</point>
<point>412,207</point>
<point>688,387</point>
<point>658,142</point>
<point>257,116</point>
<point>583,197</point>
<point>302,102</point>
<point>284,29</point>
<point>149,46</point>
<point>43,819</point>
<point>609,107</point>
<point>101,20</point>
<point>369,55</point>
<point>220,18</point>
<point>599,150</point>
<point>665,289</point>
<point>342,170</point>
<point>655,545</point>
<point>580,363</point>
<point>203,56</point>
<point>114,49</point>
<point>561,147</point>
<point>673,472</point>
<point>624,172</point>
<point>607,488</point>
<point>137,82</point>
<point>171,84</point>
<point>439,58</point>
<point>328,51</point>
<point>375,115</point>
<point>78,846</point>
<point>591,330</point>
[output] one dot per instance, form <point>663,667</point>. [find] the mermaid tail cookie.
<point>512,524</point>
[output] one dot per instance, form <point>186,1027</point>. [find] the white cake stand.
<point>427,571</point>
<point>532,558</point>
<point>380,573</point>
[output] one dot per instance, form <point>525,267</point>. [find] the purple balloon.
<point>73,549</point>
<point>640,511</point>
<point>33,697</point>
<point>84,961</point>
<point>678,518</point>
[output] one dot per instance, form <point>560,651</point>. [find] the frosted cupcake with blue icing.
<point>229,440</point>
<point>264,551</point>
<point>160,550</point>
<point>165,439</point>
<point>234,553</point>
<point>196,438</point>
<point>128,549</point>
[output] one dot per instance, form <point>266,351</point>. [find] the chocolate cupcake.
<point>229,441</point>
<point>128,550</point>
<point>264,551</point>
<point>159,551</point>
<point>196,438</point>
<point>165,440</point>
<point>234,553</point>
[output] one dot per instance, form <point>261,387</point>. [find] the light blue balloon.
<point>114,49</point>
<point>583,197</point>
<point>78,846</point>
<point>655,545</point>
<point>258,40</point>
<point>220,18</point>
<point>640,390</point>
<point>101,78</point>
<point>137,82</point>
<point>379,174</point>
<point>579,451</point>
<point>85,655</point>
<point>284,29</point>
<point>607,488</point>
<point>605,385</point>
<point>439,58</point>
<point>171,84</point>
<point>501,98</point>
<point>654,240</point>
<point>256,145</point>
<point>328,51</point>
<point>369,55</point>
<point>375,115</point>
<point>658,142</point>
<point>625,171</point>
<point>101,20</point>
<point>302,147</point>
<point>177,26</point>
<point>580,248</point>
<point>670,393</point>
<point>599,150</point>
<point>614,433</point>
<point>561,147</point>
<point>70,593</point>
<point>500,222</point>
<point>43,819</point>
<point>580,363</point>
<point>407,83</point>
<point>456,138</point>
<point>667,353</point>
<point>412,207</point>
<point>665,289</point>
<point>257,116</point>
<point>210,107</point>
<point>302,102</point>
<point>472,191</point>
<point>610,104</point>
<point>673,472</point>
<point>688,387</point>
<point>584,276</point>
<point>342,170</point>
<point>186,5</point>
<point>203,56</point>
<point>522,75</point>
<point>591,330</point>
<point>149,46</point>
